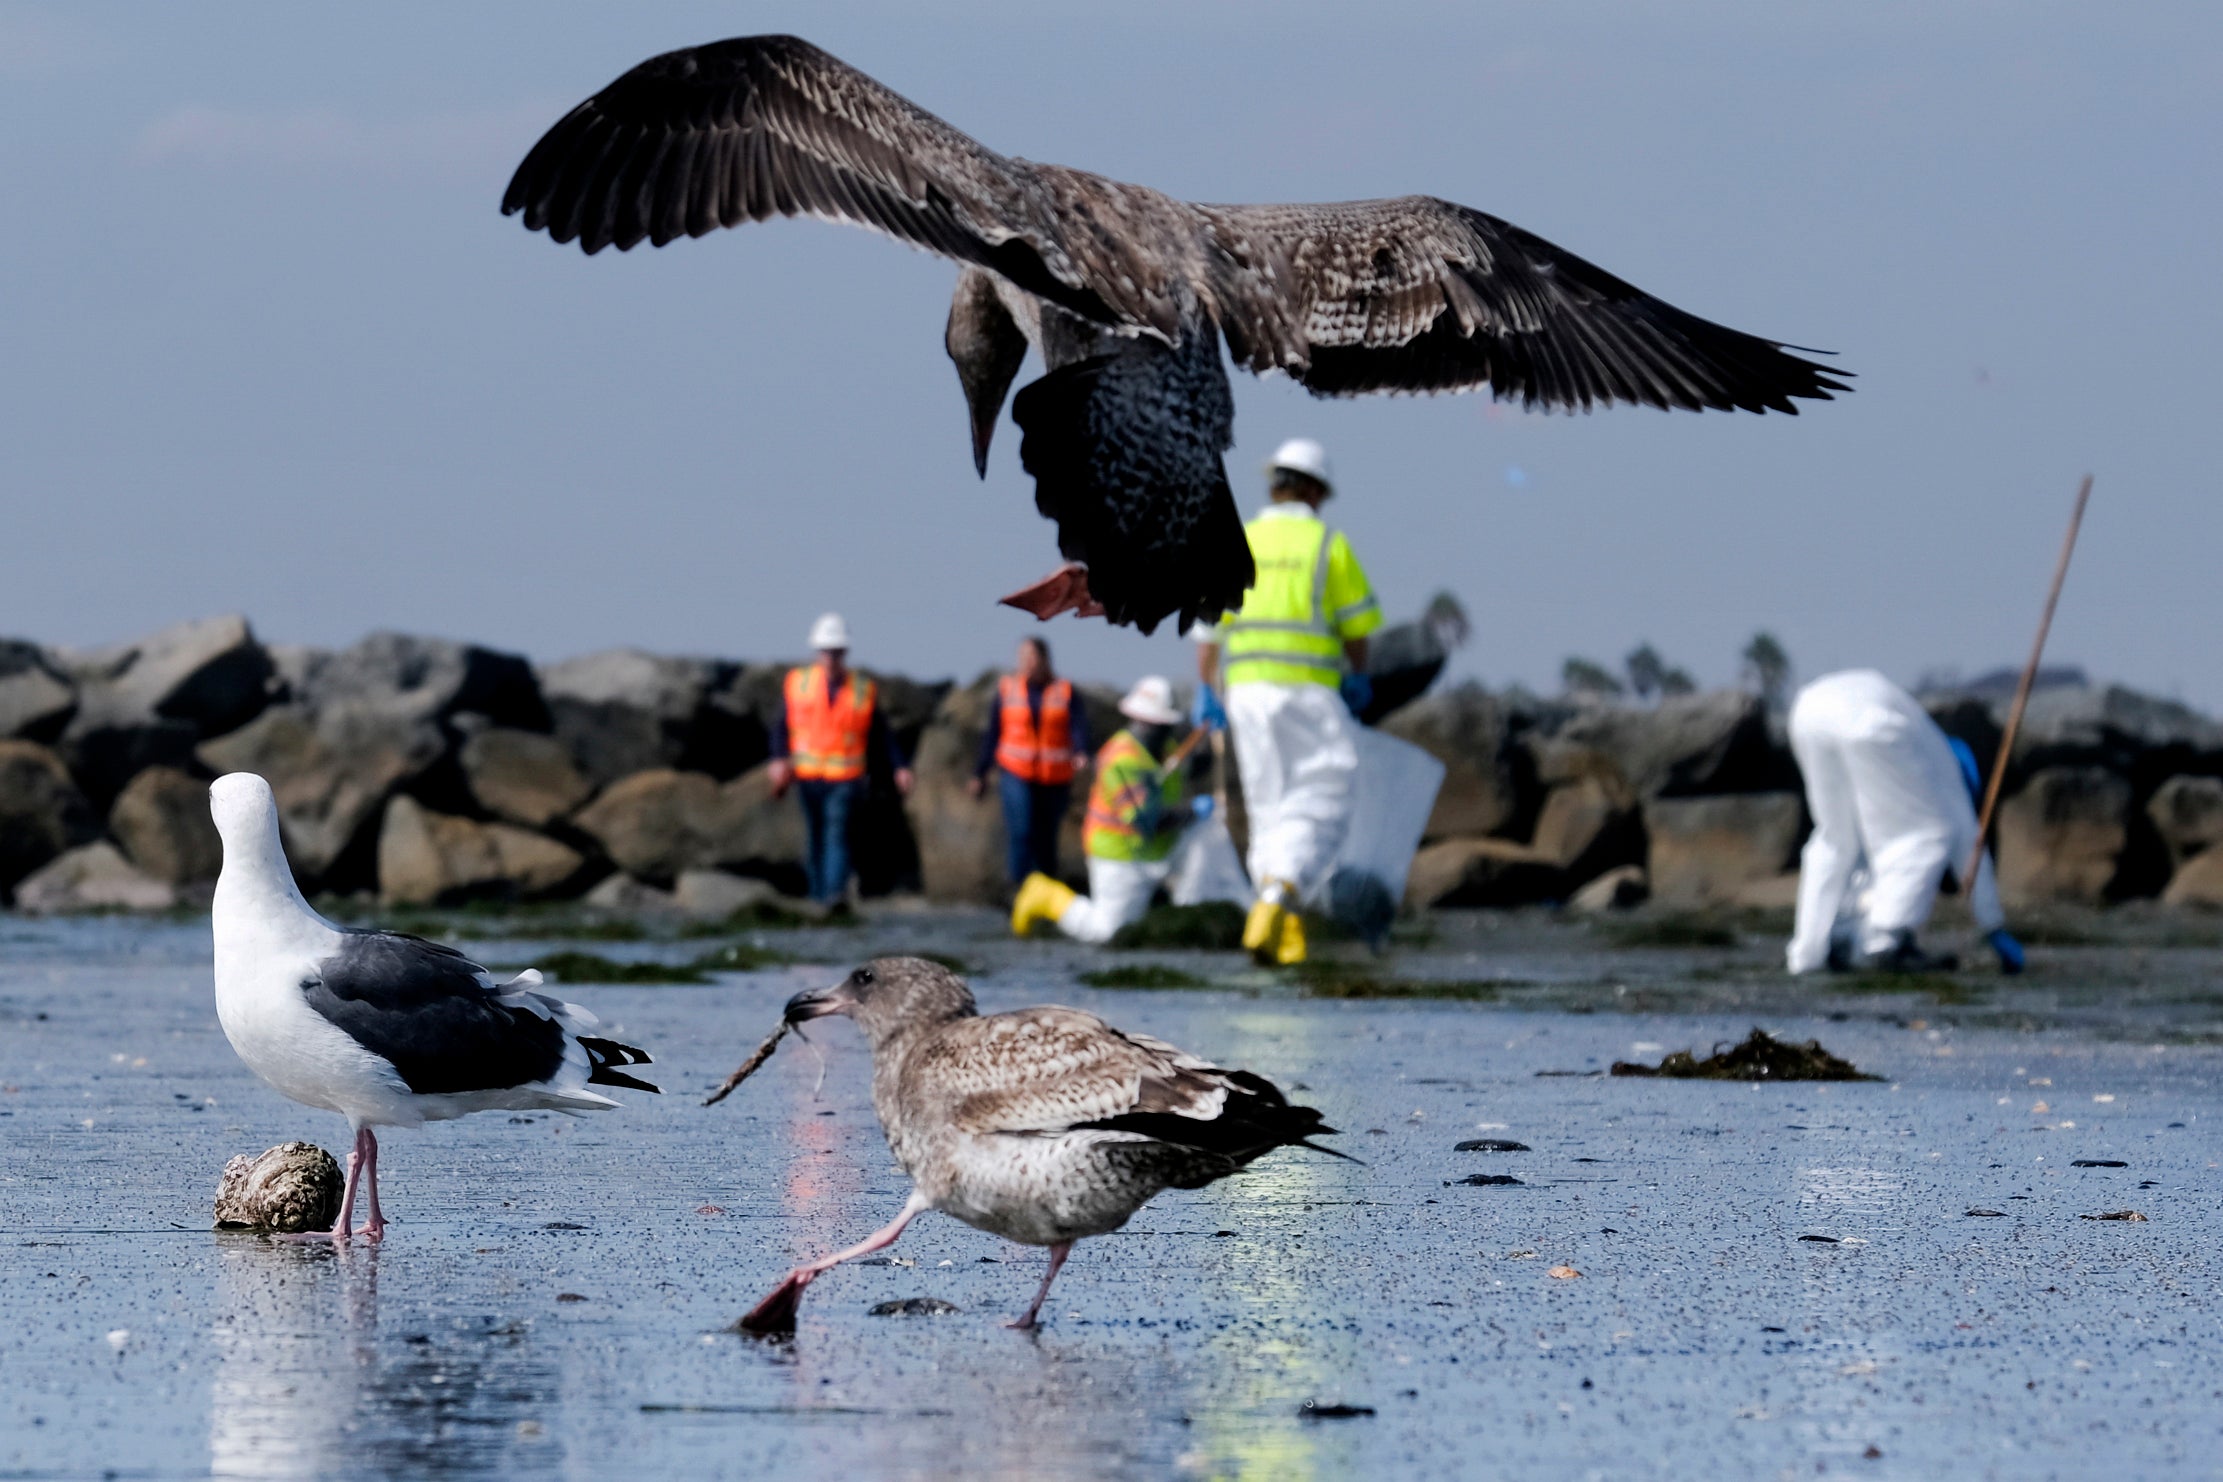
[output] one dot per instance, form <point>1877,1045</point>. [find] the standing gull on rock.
<point>386,1029</point>
<point>1041,1125</point>
<point>1128,293</point>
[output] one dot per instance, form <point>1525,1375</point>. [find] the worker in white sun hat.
<point>1292,663</point>
<point>824,738</point>
<point>1136,814</point>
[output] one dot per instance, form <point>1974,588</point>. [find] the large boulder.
<point>1489,785</point>
<point>162,821</point>
<point>2197,882</point>
<point>1481,872</point>
<point>523,776</point>
<point>36,698</point>
<point>147,703</point>
<point>427,858</point>
<point>1589,824</point>
<point>91,877</point>
<point>1686,745</point>
<point>2061,837</point>
<point>401,677</point>
<point>625,711</point>
<point>2187,812</point>
<point>42,813</point>
<point>657,824</point>
<point>960,837</point>
<point>332,771</point>
<point>2141,737</point>
<point>1712,850</point>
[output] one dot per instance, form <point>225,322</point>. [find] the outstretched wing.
<point>1421,294</point>
<point>764,126</point>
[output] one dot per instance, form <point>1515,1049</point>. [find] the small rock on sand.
<point>292,1188</point>
<point>915,1307</point>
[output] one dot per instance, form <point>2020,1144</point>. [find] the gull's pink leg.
<point>1063,590</point>
<point>1058,1253</point>
<point>342,1227</point>
<point>776,1313</point>
<point>376,1228</point>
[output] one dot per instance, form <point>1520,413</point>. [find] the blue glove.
<point>1200,809</point>
<point>1205,710</point>
<point>2011,958</point>
<point>1357,691</point>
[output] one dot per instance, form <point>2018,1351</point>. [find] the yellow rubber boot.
<point>1262,930</point>
<point>1289,946</point>
<point>1040,900</point>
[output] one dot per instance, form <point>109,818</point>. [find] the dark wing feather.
<point>1420,294</point>
<point>425,1008</point>
<point>764,126</point>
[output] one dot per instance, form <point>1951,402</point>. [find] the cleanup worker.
<point>826,733</point>
<point>1135,818</point>
<point>1035,742</point>
<point>1891,796</point>
<point>1292,663</point>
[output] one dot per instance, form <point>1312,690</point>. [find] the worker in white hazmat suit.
<point>1891,802</point>
<point>1293,662</point>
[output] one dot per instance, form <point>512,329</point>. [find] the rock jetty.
<point>425,771</point>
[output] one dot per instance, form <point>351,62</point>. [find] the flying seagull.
<point>1128,294</point>
<point>386,1029</point>
<point>1041,1125</point>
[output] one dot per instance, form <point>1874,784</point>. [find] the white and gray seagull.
<point>386,1029</point>
<point>1128,294</point>
<point>1042,1125</point>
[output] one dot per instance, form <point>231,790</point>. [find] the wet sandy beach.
<point>1773,1280</point>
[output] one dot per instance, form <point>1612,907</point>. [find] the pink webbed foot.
<point>777,1312</point>
<point>1063,590</point>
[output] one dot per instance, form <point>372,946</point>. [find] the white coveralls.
<point>1887,795</point>
<point>1119,892</point>
<point>1299,765</point>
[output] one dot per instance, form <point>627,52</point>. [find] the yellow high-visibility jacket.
<point>1311,597</point>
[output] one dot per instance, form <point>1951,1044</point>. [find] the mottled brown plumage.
<point>1410,294</point>
<point>1042,1125</point>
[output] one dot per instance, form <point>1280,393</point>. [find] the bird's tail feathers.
<point>605,1055</point>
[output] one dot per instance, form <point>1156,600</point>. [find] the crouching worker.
<point>1891,796</point>
<point>1135,818</point>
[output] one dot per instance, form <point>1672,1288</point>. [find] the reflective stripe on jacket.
<point>1128,803</point>
<point>1036,746</point>
<point>1309,599</point>
<point>826,734</point>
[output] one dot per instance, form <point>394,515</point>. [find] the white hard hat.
<point>1151,702</point>
<point>829,632</point>
<point>1302,455</point>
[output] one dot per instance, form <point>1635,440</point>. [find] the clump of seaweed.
<point>1213,926</point>
<point>593,967</point>
<point>1142,975</point>
<point>1679,929</point>
<point>1761,1057</point>
<point>1328,978</point>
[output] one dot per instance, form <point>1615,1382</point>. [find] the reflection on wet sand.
<point>308,1384</point>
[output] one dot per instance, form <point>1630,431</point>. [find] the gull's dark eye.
<point>861,977</point>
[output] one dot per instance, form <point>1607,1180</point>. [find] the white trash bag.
<point>1395,792</point>
<point>1207,867</point>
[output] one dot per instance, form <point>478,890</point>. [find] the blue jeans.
<point>826,809</point>
<point>1032,814</point>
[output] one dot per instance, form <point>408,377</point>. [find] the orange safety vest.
<point>1037,749</point>
<point>826,734</point>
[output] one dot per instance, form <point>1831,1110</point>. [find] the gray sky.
<point>272,349</point>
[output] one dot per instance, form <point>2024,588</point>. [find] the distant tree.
<point>1580,676</point>
<point>1677,682</point>
<point>1767,668</point>
<point>1646,669</point>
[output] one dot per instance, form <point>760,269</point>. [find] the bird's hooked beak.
<point>988,347</point>
<point>817,1003</point>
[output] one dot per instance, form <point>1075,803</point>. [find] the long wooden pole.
<point>2022,690</point>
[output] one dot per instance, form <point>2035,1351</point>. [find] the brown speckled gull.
<point>1041,1125</point>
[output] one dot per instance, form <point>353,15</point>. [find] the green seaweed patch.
<point>593,967</point>
<point>1674,930</point>
<point>1214,926</point>
<point>1326,978</point>
<point>1760,1057</point>
<point>1142,975</point>
<point>740,957</point>
<point>773,916</point>
<point>1939,986</point>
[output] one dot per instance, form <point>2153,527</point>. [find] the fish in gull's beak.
<point>817,1003</point>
